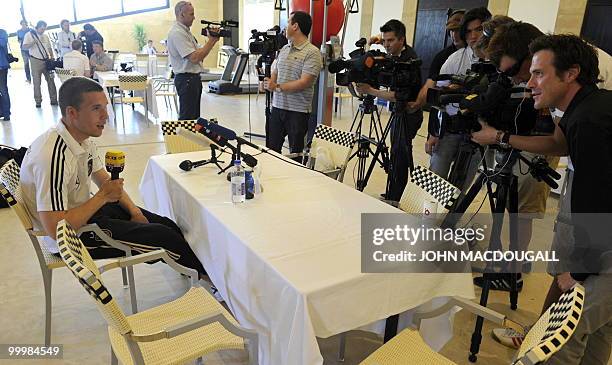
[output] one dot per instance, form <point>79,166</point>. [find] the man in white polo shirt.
<point>75,60</point>
<point>56,175</point>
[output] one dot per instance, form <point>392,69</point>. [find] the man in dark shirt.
<point>452,27</point>
<point>25,54</point>
<point>564,74</point>
<point>90,34</point>
<point>405,122</point>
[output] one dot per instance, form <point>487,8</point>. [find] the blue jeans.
<point>445,153</point>
<point>5,100</point>
<point>26,64</point>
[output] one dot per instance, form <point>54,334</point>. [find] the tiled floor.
<point>77,323</point>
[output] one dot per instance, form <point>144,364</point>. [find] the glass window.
<point>85,10</point>
<point>52,13</point>
<point>135,5</point>
<point>9,21</point>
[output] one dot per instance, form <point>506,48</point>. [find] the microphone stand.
<point>213,158</point>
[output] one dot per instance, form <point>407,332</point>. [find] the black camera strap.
<point>40,45</point>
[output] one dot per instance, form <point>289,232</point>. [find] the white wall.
<point>383,12</point>
<point>541,13</point>
<point>352,32</point>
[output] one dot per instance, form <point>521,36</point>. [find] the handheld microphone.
<point>115,162</point>
<point>187,165</point>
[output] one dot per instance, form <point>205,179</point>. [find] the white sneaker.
<point>508,337</point>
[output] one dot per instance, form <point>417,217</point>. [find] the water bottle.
<point>237,184</point>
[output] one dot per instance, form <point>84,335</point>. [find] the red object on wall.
<point>335,17</point>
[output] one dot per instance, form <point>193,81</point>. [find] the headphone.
<point>481,14</point>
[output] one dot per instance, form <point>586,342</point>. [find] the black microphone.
<point>221,135</point>
<point>188,165</point>
<point>203,126</point>
<point>230,135</point>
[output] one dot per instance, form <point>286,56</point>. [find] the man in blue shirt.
<point>25,54</point>
<point>5,101</point>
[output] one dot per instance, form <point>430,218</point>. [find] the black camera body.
<point>268,42</point>
<point>375,68</point>
<point>223,32</point>
<point>484,93</point>
<point>12,58</point>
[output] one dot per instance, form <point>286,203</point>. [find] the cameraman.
<point>564,74</point>
<point>402,134</point>
<point>5,64</point>
<point>186,57</point>
<point>292,80</point>
<point>445,145</point>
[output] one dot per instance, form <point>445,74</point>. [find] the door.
<point>596,26</point>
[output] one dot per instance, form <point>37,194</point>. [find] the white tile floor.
<point>77,323</point>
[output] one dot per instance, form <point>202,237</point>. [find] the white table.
<point>288,262</point>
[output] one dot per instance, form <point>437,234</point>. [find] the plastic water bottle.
<point>237,184</point>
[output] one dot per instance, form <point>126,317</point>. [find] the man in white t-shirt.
<point>75,60</point>
<point>149,48</point>
<point>56,176</point>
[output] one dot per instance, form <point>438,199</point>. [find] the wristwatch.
<point>505,140</point>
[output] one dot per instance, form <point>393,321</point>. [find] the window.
<point>50,12</point>
<point>80,11</point>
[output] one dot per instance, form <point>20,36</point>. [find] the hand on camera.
<point>213,30</point>
<point>362,88</point>
<point>111,190</point>
<point>487,135</point>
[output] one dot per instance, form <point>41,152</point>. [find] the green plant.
<point>140,35</point>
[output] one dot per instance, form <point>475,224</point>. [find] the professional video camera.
<point>268,42</point>
<point>484,93</point>
<point>222,25</point>
<point>375,68</point>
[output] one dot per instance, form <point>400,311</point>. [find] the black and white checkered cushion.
<point>132,78</point>
<point>334,135</point>
<point>65,72</point>
<point>169,127</point>
<point>443,191</point>
<point>9,176</point>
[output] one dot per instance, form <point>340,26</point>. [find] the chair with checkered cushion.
<point>133,83</point>
<point>9,188</point>
<point>173,333</point>
<point>546,337</point>
<point>425,185</point>
<point>64,74</point>
<point>175,143</point>
<point>334,144</point>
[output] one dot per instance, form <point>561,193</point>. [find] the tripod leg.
<point>461,206</point>
<point>513,210</point>
<point>391,327</point>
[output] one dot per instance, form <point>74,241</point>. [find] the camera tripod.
<point>504,198</point>
<point>376,136</point>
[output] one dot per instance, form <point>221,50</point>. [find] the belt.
<point>188,74</point>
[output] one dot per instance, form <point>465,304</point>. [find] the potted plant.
<point>140,35</point>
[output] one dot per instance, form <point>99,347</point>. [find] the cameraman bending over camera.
<point>564,74</point>
<point>186,57</point>
<point>445,146</point>
<point>402,134</point>
<point>292,81</point>
<point>508,49</point>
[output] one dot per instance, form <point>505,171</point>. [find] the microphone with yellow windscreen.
<point>115,161</point>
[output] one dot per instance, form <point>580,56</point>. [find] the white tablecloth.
<point>288,262</point>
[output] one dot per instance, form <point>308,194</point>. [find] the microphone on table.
<point>187,165</point>
<point>226,134</point>
<point>115,162</point>
<point>204,138</point>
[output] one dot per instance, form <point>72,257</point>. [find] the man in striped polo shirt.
<point>292,80</point>
<point>56,176</point>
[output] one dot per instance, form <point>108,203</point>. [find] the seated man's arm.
<point>102,177</point>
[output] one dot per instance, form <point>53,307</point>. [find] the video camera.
<point>268,42</point>
<point>222,25</point>
<point>375,68</point>
<point>484,93</point>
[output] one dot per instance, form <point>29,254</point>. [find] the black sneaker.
<point>500,282</point>
<point>38,105</point>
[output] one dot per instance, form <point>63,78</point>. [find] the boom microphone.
<point>115,162</point>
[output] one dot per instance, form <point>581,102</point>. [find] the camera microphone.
<point>337,66</point>
<point>187,165</point>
